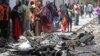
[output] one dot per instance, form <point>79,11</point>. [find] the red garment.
<point>63,27</point>
<point>64,23</point>
<point>1,12</point>
<point>6,11</point>
<point>46,26</point>
<point>17,29</point>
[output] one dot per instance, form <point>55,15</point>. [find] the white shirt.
<point>76,9</point>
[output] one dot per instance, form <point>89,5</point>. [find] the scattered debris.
<point>51,44</point>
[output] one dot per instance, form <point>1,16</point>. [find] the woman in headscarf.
<point>16,20</point>
<point>46,19</point>
<point>32,17</point>
<point>76,12</point>
<point>37,20</point>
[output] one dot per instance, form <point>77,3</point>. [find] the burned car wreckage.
<point>49,44</point>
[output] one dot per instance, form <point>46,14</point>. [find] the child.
<point>64,23</point>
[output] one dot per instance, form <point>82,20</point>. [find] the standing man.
<point>26,13</point>
<point>6,17</point>
<point>85,9</point>
<point>98,13</point>
<point>77,12</point>
<point>1,18</point>
<point>90,9</point>
<point>70,11</point>
<point>82,9</point>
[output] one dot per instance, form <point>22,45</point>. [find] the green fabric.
<point>77,19</point>
<point>70,12</point>
<point>26,12</point>
<point>4,33</point>
<point>73,15</point>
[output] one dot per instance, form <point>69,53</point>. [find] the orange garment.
<point>1,12</point>
<point>64,23</point>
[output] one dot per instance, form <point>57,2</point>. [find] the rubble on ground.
<point>77,44</point>
<point>50,44</point>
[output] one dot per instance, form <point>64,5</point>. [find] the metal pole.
<point>78,1</point>
<point>63,1</point>
<point>68,1</point>
<point>98,1</point>
<point>54,2</point>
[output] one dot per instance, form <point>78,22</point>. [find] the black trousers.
<point>4,28</point>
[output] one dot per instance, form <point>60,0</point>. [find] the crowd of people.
<point>39,18</point>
